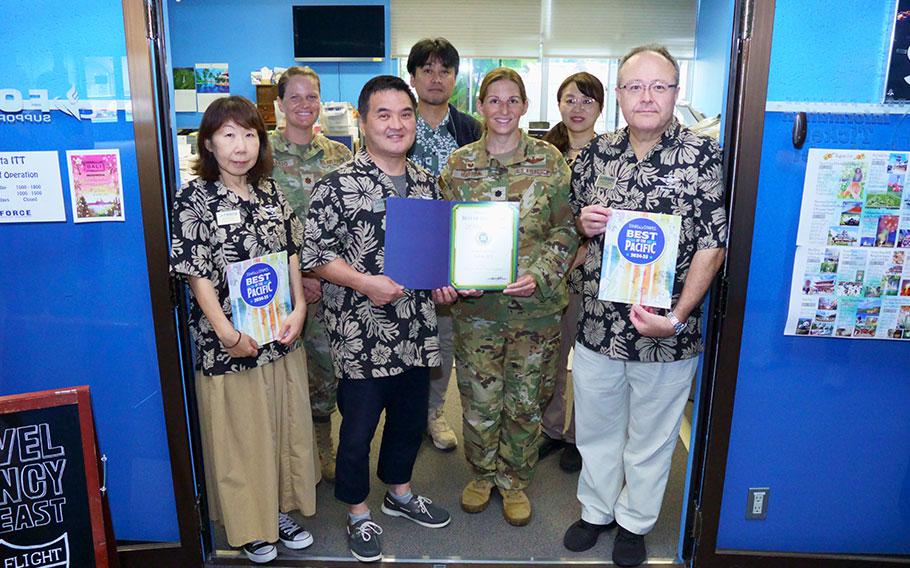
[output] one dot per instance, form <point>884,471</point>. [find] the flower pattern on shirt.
<point>681,175</point>
<point>346,221</point>
<point>202,247</point>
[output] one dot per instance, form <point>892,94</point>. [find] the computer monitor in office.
<point>339,33</point>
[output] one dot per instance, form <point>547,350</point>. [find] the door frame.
<point>141,22</point>
<point>750,66</point>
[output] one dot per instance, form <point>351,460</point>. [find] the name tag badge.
<point>228,217</point>
<point>379,205</point>
<point>604,181</point>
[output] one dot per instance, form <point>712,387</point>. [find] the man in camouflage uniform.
<point>506,343</point>
<point>301,158</point>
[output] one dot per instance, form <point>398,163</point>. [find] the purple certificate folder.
<point>417,242</point>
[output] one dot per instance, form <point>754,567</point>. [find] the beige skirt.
<point>258,447</point>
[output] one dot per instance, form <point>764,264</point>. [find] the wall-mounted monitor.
<point>339,33</point>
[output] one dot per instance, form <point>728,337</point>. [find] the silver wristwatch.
<point>678,326</point>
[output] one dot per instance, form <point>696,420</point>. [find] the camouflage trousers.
<point>322,381</point>
<point>506,373</point>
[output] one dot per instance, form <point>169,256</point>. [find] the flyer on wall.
<point>850,274</point>
<point>96,185</point>
<point>30,187</point>
<point>639,258</point>
<point>260,295</point>
<point>212,82</point>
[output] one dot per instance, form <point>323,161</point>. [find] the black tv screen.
<point>339,32</point>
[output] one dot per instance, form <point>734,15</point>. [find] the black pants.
<point>404,398</point>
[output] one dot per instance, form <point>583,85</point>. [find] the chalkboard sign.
<point>52,511</point>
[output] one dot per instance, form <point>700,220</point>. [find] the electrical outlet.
<point>757,503</point>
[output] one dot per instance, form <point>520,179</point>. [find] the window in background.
<point>471,72</point>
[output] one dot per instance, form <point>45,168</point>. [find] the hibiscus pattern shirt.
<point>346,221</point>
<point>203,245</point>
<point>681,175</point>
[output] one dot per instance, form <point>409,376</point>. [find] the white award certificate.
<point>484,245</point>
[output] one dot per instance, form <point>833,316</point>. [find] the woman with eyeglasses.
<point>581,100</point>
<point>506,343</point>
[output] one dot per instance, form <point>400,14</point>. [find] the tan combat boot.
<point>440,432</point>
<point>326,447</point>
<point>516,507</point>
<point>476,495</point>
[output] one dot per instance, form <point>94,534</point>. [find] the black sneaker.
<point>629,548</point>
<point>548,446</point>
<point>291,534</point>
<point>582,535</point>
<point>363,539</point>
<point>260,551</point>
<point>570,460</point>
<point>419,509</point>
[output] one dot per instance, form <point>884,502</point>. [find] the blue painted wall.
<point>75,308</point>
<point>825,423</point>
<point>713,35</point>
<point>830,51</point>
<point>249,35</point>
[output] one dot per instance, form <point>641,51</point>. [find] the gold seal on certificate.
<point>484,248</point>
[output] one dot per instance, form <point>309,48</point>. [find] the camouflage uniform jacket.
<point>347,221</point>
<point>298,167</point>
<point>536,177</point>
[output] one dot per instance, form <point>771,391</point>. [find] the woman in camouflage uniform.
<point>506,343</point>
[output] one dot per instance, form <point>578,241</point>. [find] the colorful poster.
<point>850,274</point>
<point>639,258</point>
<point>96,186</point>
<point>30,188</point>
<point>184,89</point>
<point>260,295</point>
<point>212,82</point>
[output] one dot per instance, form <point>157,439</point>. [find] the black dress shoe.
<point>548,446</point>
<point>570,460</point>
<point>582,535</point>
<point>629,549</point>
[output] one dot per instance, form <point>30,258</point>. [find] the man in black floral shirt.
<point>383,336</point>
<point>633,366</point>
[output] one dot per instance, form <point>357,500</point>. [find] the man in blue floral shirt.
<point>383,336</point>
<point>633,366</point>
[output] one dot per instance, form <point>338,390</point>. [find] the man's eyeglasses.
<point>586,103</point>
<point>639,88</point>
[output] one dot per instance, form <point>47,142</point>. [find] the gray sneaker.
<point>363,539</point>
<point>419,509</point>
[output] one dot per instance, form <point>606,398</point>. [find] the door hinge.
<point>720,306</point>
<point>173,289</point>
<point>696,525</point>
<point>151,21</point>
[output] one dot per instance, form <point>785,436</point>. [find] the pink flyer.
<point>96,186</point>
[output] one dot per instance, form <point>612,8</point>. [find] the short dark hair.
<point>437,48</point>
<point>244,113</point>
<point>382,83</point>
<point>653,48</point>
<point>296,71</point>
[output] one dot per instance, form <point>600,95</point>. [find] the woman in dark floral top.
<point>254,414</point>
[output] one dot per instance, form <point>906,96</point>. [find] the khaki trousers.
<point>258,447</point>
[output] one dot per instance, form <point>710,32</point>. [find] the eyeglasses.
<point>511,102</point>
<point>586,103</point>
<point>637,88</point>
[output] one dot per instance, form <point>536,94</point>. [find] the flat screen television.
<point>339,33</point>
